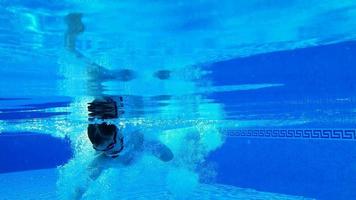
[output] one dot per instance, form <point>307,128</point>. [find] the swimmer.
<point>114,146</point>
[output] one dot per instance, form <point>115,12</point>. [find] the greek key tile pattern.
<point>344,134</point>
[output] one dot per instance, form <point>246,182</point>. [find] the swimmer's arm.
<point>96,167</point>
<point>154,147</point>
<point>159,150</point>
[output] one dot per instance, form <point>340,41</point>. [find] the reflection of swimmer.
<point>75,27</point>
<point>115,146</point>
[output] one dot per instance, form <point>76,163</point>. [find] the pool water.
<point>256,100</point>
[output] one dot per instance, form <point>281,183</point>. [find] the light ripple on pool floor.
<point>43,187</point>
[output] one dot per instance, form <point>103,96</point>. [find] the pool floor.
<point>41,184</point>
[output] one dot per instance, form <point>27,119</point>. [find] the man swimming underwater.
<point>109,140</point>
<point>115,146</point>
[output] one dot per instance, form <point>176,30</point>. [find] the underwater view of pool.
<point>152,99</point>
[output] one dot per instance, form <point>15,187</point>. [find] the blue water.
<point>268,106</point>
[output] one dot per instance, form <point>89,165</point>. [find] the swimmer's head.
<point>104,137</point>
